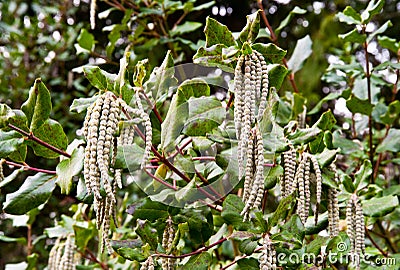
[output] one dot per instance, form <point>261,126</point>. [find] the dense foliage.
<point>183,153</point>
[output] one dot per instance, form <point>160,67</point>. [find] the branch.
<point>154,108</point>
<point>198,251</point>
<point>274,40</point>
<point>29,168</point>
<point>374,243</point>
<point>32,137</point>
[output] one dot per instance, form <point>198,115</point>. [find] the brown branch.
<point>274,40</point>
<point>230,101</point>
<point>29,168</point>
<point>198,251</point>
<point>154,108</point>
<point>32,137</point>
<point>384,253</point>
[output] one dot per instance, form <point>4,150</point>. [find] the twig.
<point>32,137</point>
<point>154,108</point>
<point>27,167</point>
<point>160,180</point>
<point>230,101</point>
<point>274,40</point>
<point>203,158</point>
<point>368,75</point>
<point>200,250</point>
<point>384,253</point>
<point>387,239</point>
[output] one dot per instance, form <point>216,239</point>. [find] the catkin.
<point>289,165</point>
<point>355,229</point>
<point>148,264</point>
<point>299,181</point>
<point>148,129</point>
<point>333,206</point>
<point>168,238</point>
<point>62,255</point>
<point>67,260</point>
<point>2,161</point>
<point>267,259</point>
<point>254,180</point>
<point>92,14</point>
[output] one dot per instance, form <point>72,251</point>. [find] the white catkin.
<point>52,262</point>
<point>67,260</point>
<point>58,255</point>
<point>259,178</point>
<point>168,238</point>
<point>350,222</point>
<point>355,229</point>
<point>239,93</point>
<point>92,14</point>
<point>249,171</point>
<point>148,129</point>
<point>148,264</point>
<point>254,81</point>
<point>307,185</point>
<point>267,258</point>
<point>333,206</point>
<point>318,175</point>
<point>299,181</point>
<point>264,85</point>
<point>289,165</point>
<point>2,161</point>
<point>301,118</point>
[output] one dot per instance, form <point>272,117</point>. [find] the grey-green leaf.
<point>379,207</point>
<point>35,191</point>
<point>68,168</point>
<point>301,52</point>
<point>391,142</point>
<point>199,262</point>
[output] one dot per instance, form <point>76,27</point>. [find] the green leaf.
<point>86,40</point>
<point>317,107</point>
<point>139,74</point>
<point>147,233</point>
<point>361,177</point>
<point>277,74</point>
<point>161,79</point>
<point>214,57</point>
<point>372,9</point>
<point>81,104</point>
<point>326,121</point>
<point>174,122</point>
<point>380,30</point>
<point>392,113</point>
<point>100,79</point>
<point>205,113</point>
<point>247,246</point>
<point>10,141</point>
<point>391,142</point>
<point>314,247</point>
<point>147,209</point>
<point>286,21</point>
<point>200,261</point>
<point>231,209</point>
<point>129,157</point>
<point>357,105</point>
<point>303,136</point>
<point>353,36</point>
<point>133,254</point>
<point>348,184</point>
<point>14,117</point>
<point>301,52</point>
<point>68,168</point>
<point>187,27</point>
<point>282,210</point>
<point>326,157</point>
<point>389,43</point>
<point>83,234</point>
<point>379,207</point>
<point>271,52</point>
<point>35,191</point>
<point>349,16</point>
<point>217,33</point>
<point>250,31</point>
<point>52,133</point>
<point>204,6</point>
<point>195,88</point>
<point>21,240</point>
<point>38,106</point>
<point>5,114</point>
<point>248,264</point>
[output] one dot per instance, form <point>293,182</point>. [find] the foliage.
<point>190,185</point>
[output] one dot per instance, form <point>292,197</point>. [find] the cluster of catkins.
<point>298,178</point>
<point>100,125</point>
<point>355,229</point>
<point>333,205</point>
<point>267,258</point>
<point>251,92</point>
<point>62,254</point>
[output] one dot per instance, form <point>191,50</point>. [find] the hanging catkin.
<point>167,241</point>
<point>148,264</point>
<point>333,206</point>
<point>289,166</point>
<point>267,258</point>
<point>355,229</point>
<point>2,161</point>
<point>62,255</point>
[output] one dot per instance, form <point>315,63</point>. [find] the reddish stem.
<point>32,137</point>
<point>27,167</point>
